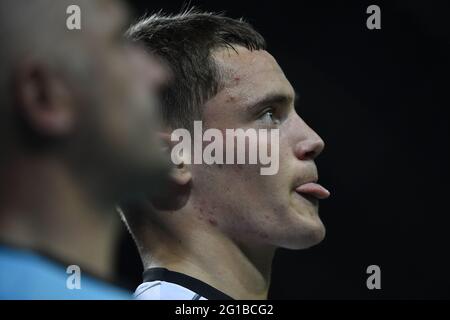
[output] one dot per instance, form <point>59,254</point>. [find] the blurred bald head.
<point>36,30</point>
<point>81,96</point>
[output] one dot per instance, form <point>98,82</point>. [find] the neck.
<point>199,249</point>
<point>44,208</point>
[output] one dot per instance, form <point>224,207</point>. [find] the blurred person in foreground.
<point>215,235</point>
<point>77,135</point>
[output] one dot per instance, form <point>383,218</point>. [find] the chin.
<point>308,235</point>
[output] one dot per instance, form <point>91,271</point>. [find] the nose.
<point>309,147</point>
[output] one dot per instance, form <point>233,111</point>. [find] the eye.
<point>269,117</point>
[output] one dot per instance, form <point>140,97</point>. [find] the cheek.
<point>242,202</point>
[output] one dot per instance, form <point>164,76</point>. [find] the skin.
<point>89,102</point>
<point>276,215</point>
<point>230,219</point>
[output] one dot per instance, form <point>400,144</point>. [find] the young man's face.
<point>250,207</point>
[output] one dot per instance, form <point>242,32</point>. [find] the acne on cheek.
<point>207,214</point>
<point>213,222</point>
<point>230,99</point>
<point>264,235</point>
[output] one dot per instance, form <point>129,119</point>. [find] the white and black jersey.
<point>163,284</point>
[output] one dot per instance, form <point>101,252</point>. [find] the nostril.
<point>309,155</point>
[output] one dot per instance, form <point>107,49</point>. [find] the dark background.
<point>379,99</point>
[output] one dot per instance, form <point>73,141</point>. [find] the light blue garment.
<point>25,275</point>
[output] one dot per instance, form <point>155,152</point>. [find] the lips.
<point>313,189</point>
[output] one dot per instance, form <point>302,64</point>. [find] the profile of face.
<point>129,80</point>
<point>103,105</point>
<point>251,208</point>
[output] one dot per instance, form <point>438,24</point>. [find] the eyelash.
<point>271,111</point>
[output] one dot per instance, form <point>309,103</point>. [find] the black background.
<point>379,100</point>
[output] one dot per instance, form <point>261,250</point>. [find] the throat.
<point>239,271</point>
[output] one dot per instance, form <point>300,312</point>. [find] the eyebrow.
<point>124,18</point>
<point>123,26</point>
<point>273,99</point>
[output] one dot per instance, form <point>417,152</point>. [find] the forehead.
<point>247,76</point>
<point>105,16</point>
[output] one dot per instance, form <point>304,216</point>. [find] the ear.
<point>43,101</point>
<point>178,189</point>
<point>180,173</point>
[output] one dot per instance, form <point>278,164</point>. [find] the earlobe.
<point>180,173</point>
<point>43,101</point>
<point>178,190</point>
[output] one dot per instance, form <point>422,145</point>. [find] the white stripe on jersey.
<point>162,290</point>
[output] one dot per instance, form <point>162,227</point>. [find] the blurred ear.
<point>43,101</point>
<point>178,189</point>
<point>179,174</point>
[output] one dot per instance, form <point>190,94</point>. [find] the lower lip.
<point>313,190</point>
